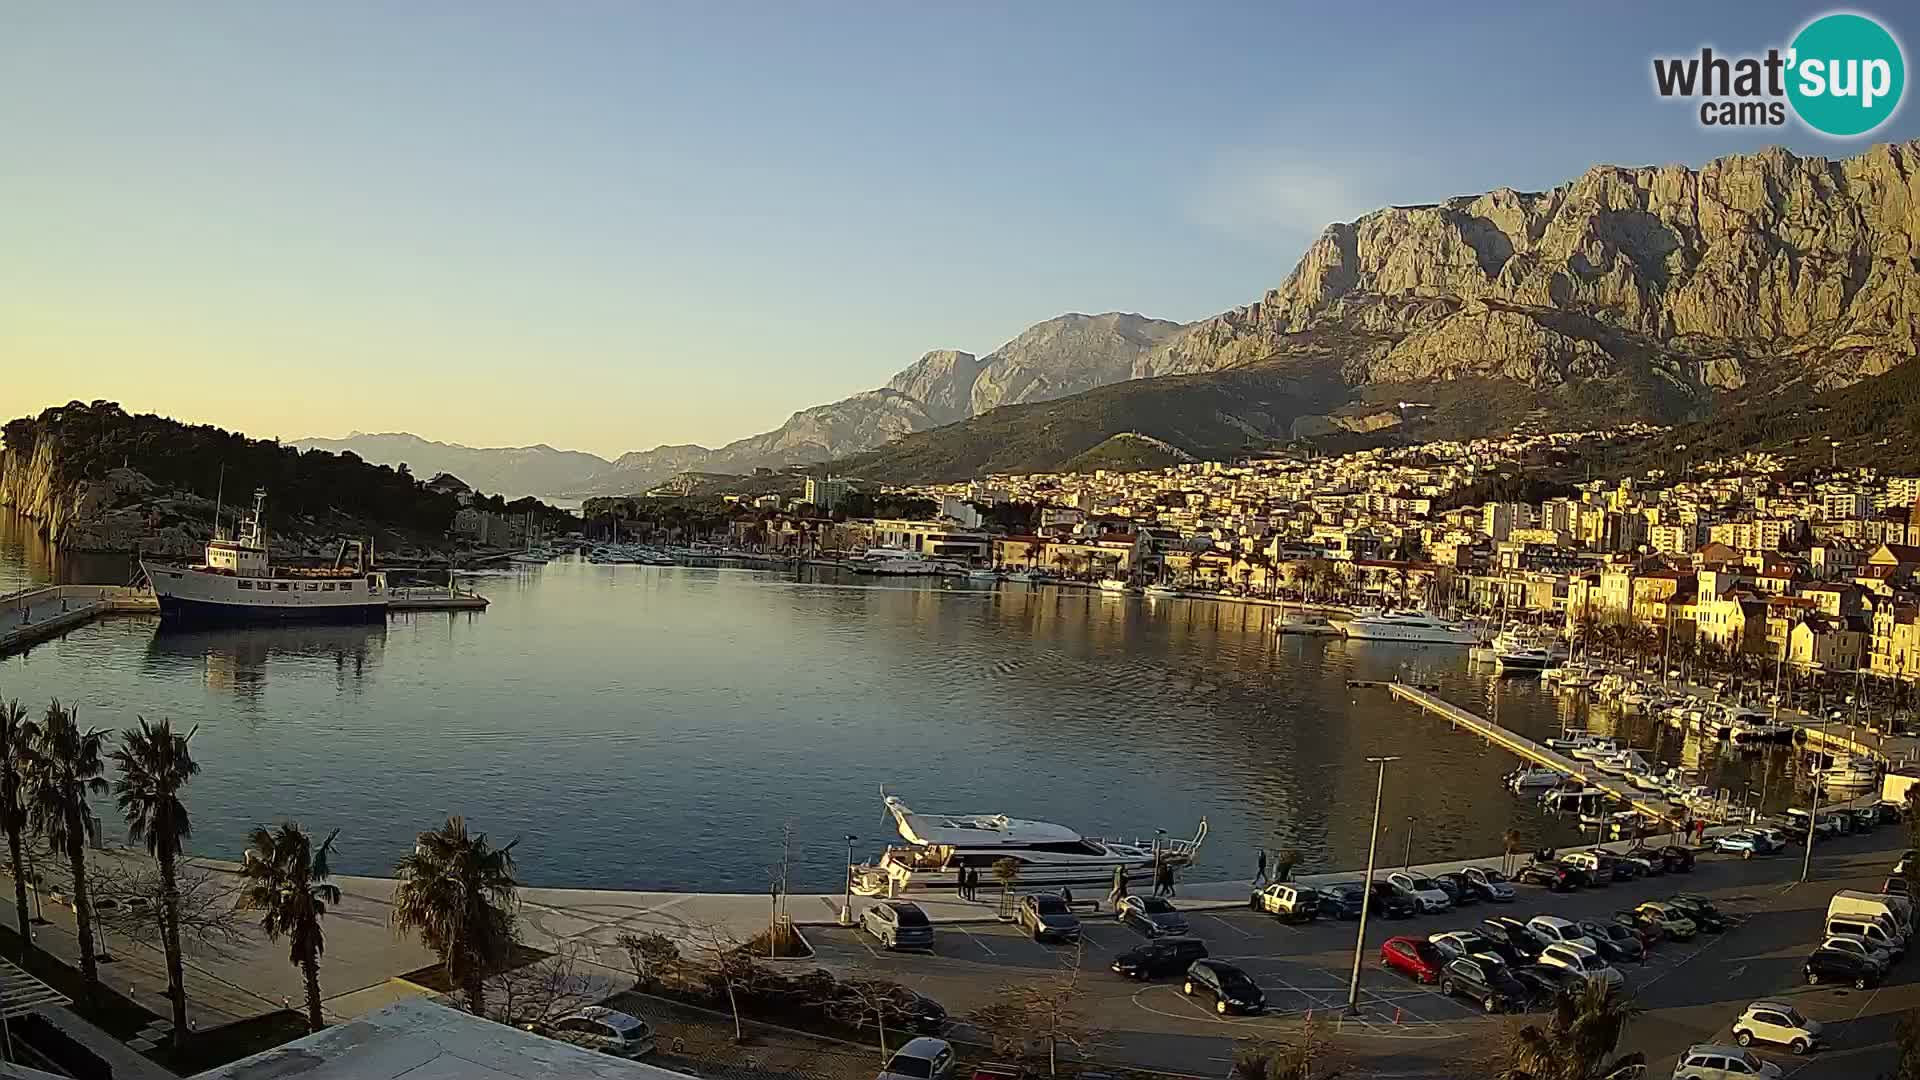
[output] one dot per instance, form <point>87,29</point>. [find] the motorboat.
<point>1850,774</point>
<point>1409,627</point>
<point>1520,780</point>
<point>939,845</point>
<point>1527,660</point>
<point>983,574</point>
<point>238,583</point>
<point>1595,749</point>
<point>1162,591</point>
<point>1115,585</point>
<point>1569,740</point>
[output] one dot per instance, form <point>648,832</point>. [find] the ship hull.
<point>179,609</point>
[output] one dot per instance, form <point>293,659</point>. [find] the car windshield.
<point>1050,905</point>
<point>1154,905</point>
<point>920,1068</point>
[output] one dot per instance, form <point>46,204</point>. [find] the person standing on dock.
<point>1260,869</point>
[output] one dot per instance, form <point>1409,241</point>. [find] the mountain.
<point>1052,359</point>
<point>1658,293</point>
<point>512,471</point>
<point>1766,268</point>
<point>1875,422</point>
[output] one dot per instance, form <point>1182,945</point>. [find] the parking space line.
<point>976,941</point>
<point>1230,926</point>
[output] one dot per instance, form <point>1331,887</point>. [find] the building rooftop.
<point>420,1040</point>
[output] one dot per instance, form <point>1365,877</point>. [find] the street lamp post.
<point>1813,808</point>
<point>1366,892</point>
<point>1406,861</point>
<point>846,908</point>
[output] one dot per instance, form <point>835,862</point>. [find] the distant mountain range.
<point>1656,293</point>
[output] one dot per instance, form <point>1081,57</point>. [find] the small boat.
<point>1524,779</point>
<point>1529,660</point>
<point>983,574</point>
<point>1115,585</point>
<point>1570,740</point>
<point>1596,749</point>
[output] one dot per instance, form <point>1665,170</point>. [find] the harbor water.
<point>657,727</point>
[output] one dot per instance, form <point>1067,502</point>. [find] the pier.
<point>1529,750</point>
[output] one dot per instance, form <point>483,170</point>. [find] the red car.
<point>1413,956</point>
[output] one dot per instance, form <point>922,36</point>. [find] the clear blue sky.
<point>611,225</point>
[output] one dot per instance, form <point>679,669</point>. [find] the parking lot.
<point>1303,970</point>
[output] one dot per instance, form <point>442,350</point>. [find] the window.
<point>280,586</point>
<point>313,586</point>
<point>245,584</point>
<point>327,587</point>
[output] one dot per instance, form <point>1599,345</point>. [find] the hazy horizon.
<point>613,227</point>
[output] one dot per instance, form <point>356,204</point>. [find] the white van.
<point>1875,930</point>
<point>1897,910</point>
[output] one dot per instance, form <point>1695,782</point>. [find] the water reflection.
<point>236,660</point>
<point>27,559</point>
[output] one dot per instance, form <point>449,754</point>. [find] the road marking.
<point>976,941</point>
<point>1229,926</point>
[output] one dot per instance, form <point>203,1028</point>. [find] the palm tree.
<point>1582,1029</point>
<point>458,892</point>
<point>154,765</point>
<point>286,880</point>
<point>62,768</point>
<point>1006,871</point>
<point>13,816</point>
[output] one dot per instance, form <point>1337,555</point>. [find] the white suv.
<point>1706,1062</point>
<point>1558,931</point>
<point>1583,961</point>
<point>606,1030</point>
<point>1776,1022</point>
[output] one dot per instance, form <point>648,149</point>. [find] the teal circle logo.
<point>1847,75</point>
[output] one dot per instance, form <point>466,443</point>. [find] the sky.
<point>608,226</point>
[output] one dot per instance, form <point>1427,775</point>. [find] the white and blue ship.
<point>238,584</point>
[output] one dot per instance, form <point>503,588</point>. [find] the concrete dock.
<point>30,616</point>
<point>1529,750</point>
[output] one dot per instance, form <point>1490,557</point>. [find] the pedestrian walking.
<point>960,883</point>
<point>1167,870</point>
<point>970,882</point>
<point>1260,869</point>
<point>1066,896</point>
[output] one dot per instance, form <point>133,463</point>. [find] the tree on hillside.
<point>62,770</point>
<point>154,765</point>
<point>458,893</point>
<point>286,880</point>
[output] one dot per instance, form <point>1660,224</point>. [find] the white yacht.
<point>1525,660</point>
<point>237,583</point>
<point>893,562</point>
<point>1412,627</point>
<point>1050,856</point>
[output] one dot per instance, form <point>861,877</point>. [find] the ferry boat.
<point>1412,627</point>
<point>238,583</point>
<point>1050,856</point>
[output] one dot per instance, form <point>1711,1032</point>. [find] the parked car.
<point>606,1030</point>
<point>1455,944</point>
<point>1458,887</point>
<point>1544,981</point>
<point>1294,903</point>
<point>1412,956</point>
<point>1615,942</point>
<point>1705,1061</point>
<point>1427,896</point>
<point>1861,948</point>
<point>1589,864</point>
<point>1743,844</point>
<point>1876,932</point>
<point>1514,934</point>
<point>1341,900</point>
<point>1151,915</point>
<point>1776,1022</point>
<point>1551,874</point>
<point>1388,903</point>
<point>1613,867</point>
<point>898,924</point>
<point>906,1008</point>
<point>1047,917</point>
<point>1491,884</point>
<point>1645,861</point>
<point>923,1058</point>
<point>1700,910</point>
<point>1231,989</point>
<point>1585,961</point>
<point>1673,920</point>
<point>1894,886</point>
<point>1166,956</point>
<point>1486,979</point>
<point>1679,859</point>
<point>1824,825</point>
<point>1834,966</point>
<point>1557,931</point>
